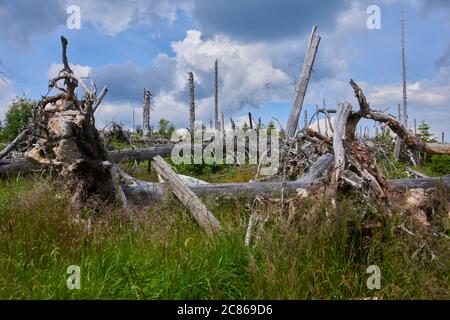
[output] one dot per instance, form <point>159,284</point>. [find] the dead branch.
<point>198,210</point>
<point>411,140</point>
<point>13,143</point>
<point>99,98</point>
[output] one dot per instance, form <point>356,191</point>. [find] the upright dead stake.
<point>302,85</point>
<point>222,123</point>
<point>146,114</point>
<point>305,125</point>
<point>340,121</point>
<point>191,103</point>
<point>397,141</point>
<point>216,94</point>
<point>327,118</point>
<point>233,124</point>
<point>250,120</point>
<point>198,210</point>
<point>317,118</point>
<point>222,128</point>
<point>405,94</point>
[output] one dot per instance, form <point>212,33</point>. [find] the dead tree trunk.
<point>355,167</point>
<point>216,94</point>
<point>67,139</point>
<point>222,124</point>
<point>397,141</point>
<point>191,103</point>
<point>146,114</point>
<point>198,210</point>
<point>317,119</point>
<point>405,92</point>
<point>302,85</point>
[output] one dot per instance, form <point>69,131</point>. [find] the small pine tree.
<point>271,127</point>
<point>424,132</point>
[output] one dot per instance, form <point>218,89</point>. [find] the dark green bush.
<point>16,118</point>
<point>440,164</point>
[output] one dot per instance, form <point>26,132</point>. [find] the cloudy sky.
<point>260,44</point>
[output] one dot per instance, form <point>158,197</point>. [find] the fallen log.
<point>21,164</point>
<point>139,191</point>
<point>13,143</point>
<point>421,183</point>
<point>140,154</point>
<point>416,173</point>
<point>317,169</point>
<point>14,165</point>
<point>181,190</point>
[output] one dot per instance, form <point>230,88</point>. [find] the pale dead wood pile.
<point>66,140</point>
<point>66,137</point>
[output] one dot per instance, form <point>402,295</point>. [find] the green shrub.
<point>16,118</point>
<point>166,128</point>
<point>440,164</point>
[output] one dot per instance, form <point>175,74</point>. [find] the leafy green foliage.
<point>165,128</point>
<point>440,164</point>
<point>393,168</point>
<point>16,118</point>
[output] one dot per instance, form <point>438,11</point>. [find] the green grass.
<point>164,255</point>
<point>220,173</point>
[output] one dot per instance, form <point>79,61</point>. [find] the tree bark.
<point>198,210</point>
<point>13,143</point>
<point>302,86</point>
<point>139,191</point>
<point>411,140</point>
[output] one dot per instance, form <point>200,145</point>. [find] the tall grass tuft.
<point>163,254</point>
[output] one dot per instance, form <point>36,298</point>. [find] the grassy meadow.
<point>162,254</point>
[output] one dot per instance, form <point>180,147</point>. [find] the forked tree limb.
<point>64,59</point>
<point>13,143</point>
<point>99,99</point>
<point>403,133</point>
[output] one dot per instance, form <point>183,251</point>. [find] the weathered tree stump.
<point>67,139</point>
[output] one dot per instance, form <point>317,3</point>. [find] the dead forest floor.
<point>164,255</point>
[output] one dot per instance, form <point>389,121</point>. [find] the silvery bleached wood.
<point>181,190</point>
<point>302,85</point>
